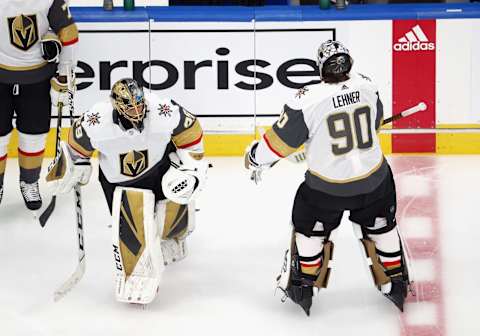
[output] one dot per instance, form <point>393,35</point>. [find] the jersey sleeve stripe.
<point>72,142</point>
<point>192,143</point>
<point>68,43</point>
<point>277,145</point>
<point>189,136</point>
<point>68,35</point>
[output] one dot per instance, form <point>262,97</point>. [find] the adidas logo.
<point>344,87</point>
<point>414,40</point>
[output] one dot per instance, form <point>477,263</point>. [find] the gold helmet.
<point>128,99</point>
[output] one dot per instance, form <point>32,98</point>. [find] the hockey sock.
<point>31,149</point>
<point>310,253</point>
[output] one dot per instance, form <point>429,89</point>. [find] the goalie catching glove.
<point>185,178</point>
<point>67,170</point>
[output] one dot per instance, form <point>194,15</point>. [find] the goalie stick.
<point>80,270</point>
<point>45,215</point>
<point>299,156</point>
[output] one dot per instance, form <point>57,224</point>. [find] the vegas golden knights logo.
<point>23,31</point>
<point>133,163</point>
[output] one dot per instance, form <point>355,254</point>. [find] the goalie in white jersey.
<point>151,170</point>
<point>337,120</point>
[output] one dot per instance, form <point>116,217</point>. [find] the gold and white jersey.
<point>22,25</point>
<point>338,124</point>
<point>127,154</point>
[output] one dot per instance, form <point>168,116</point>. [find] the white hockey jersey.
<point>337,122</point>
<point>22,25</point>
<point>127,154</point>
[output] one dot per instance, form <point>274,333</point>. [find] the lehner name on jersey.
<point>346,99</point>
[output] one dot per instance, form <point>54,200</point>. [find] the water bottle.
<point>129,4</point>
<point>324,4</point>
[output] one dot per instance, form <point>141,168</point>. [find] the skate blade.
<point>398,303</point>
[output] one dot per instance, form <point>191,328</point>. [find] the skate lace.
<point>30,191</point>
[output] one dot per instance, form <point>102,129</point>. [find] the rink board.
<point>235,67</point>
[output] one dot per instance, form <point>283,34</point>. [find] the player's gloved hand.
<point>59,90</point>
<point>65,172</point>
<point>252,164</point>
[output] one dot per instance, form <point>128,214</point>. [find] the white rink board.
<point>209,67</point>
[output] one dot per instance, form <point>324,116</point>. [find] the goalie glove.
<point>252,164</point>
<point>66,171</point>
<point>185,178</point>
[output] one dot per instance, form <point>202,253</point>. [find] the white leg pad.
<point>136,246</point>
<point>174,249</point>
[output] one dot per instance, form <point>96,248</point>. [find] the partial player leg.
<point>175,222</point>
<point>6,116</point>
<point>4,140</point>
<point>376,228</point>
<point>33,107</point>
<point>31,148</point>
<point>136,245</point>
<point>307,265</point>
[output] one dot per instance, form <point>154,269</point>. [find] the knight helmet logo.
<point>23,31</point>
<point>133,163</point>
<point>414,40</point>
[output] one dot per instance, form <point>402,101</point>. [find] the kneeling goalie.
<point>151,170</point>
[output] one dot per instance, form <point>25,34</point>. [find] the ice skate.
<point>294,284</point>
<point>31,195</point>
<point>398,293</point>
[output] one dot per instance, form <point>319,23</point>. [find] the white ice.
<point>226,285</point>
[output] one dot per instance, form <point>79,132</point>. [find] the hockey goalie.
<point>151,169</point>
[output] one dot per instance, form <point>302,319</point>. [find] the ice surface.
<point>226,285</point>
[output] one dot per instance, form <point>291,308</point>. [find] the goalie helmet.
<point>129,101</point>
<point>334,60</point>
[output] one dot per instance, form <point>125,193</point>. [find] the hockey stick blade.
<point>45,215</point>
<point>71,282</point>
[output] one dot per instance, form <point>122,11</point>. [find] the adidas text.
<point>413,46</point>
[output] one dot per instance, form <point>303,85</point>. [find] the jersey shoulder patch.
<point>98,119</point>
<point>163,115</point>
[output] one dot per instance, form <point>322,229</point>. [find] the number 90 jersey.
<point>128,154</point>
<point>338,124</point>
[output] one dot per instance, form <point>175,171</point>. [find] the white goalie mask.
<point>333,59</point>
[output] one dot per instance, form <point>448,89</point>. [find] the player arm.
<point>283,138</point>
<point>79,142</point>
<point>188,135</point>
<point>379,117</point>
<point>61,21</point>
<point>72,165</point>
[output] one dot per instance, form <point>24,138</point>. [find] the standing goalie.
<point>151,170</point>
<point>337,120</point>
<point>30,83</point>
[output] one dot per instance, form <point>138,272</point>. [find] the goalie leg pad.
<point>386,260</point>
<point>302,276</point>
<point>175,222</point>
<point>136,246</point>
